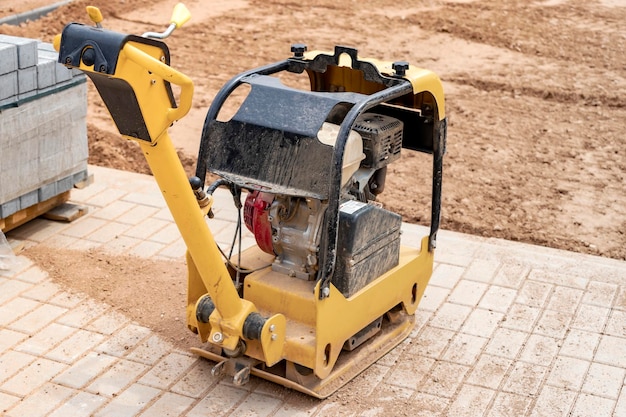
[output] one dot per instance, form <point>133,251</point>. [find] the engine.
<point>289,227</point>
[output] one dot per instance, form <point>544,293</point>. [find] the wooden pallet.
<point>20,217</point>
<point>56,208</point>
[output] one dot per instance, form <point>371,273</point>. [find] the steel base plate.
<point>348,366</point>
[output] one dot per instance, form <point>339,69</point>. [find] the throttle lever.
<point>95,15</point>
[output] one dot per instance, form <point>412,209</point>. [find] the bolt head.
<point>218,337</point>
<point>325,292</point>
<point>400,67</point>
<point>298,49</point>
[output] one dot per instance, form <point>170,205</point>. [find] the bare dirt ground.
<point>536,96</point>
<point>535,99</point>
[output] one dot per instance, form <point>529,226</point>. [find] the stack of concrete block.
<point>43,129</point>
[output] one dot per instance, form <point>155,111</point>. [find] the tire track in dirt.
<point>558,96</point>
<point>580,32</point>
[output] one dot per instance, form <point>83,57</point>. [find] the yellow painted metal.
<point>227,320</point>
<point>335,319</point>
<point>172,180</point>
<point>427,87</point>
<point>141,66</point>
<point>403,284</point>
<point>56,42</point>
<point>273,339</point>
<point>94,14</point>
<point>195,291</point>
<point>348,366</point>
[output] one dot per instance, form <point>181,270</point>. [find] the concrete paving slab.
<point>504,329</point>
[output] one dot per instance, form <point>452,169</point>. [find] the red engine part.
<point>256,216</point>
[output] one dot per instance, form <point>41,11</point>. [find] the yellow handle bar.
<point>168,74</point>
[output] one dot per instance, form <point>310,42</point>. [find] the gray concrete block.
<point>27,96</point>
<point>61,71</point>
<point>50,144</point>
<point>80,152</point>
<point>26,50</point>
<point>49,167</point>
<point>46,73</point>
<point>17,124</point>
<point>8,85</point>
<point>26,80</point>
<point>80,176</point>
<point>29,199</point>
<point>79,149</point>
<point>79,113</point>
<point>46,47</point>
<point>8,58</point>
<point>8,102</point>
<point>29,178</point>
<point>10,186</point>
<point>51,55</point>
<point>8,208</point>
<point>43,141</point>
<point>47,191</point>
<point>65,184</point>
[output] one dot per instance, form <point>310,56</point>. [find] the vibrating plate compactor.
<point>328,289</point>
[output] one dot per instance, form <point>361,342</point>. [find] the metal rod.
<point>161,35</point>
<point>330,234</point>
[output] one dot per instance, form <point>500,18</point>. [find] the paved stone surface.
<point>504,329</point>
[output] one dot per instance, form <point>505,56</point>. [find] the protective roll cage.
<point>274,132</point>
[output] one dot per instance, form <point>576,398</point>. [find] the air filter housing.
<point>382,139</point>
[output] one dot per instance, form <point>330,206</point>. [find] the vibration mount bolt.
<point>325,292</point>
<point>400,67</point>
<point>298,50</point>
<point>218,337</point>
